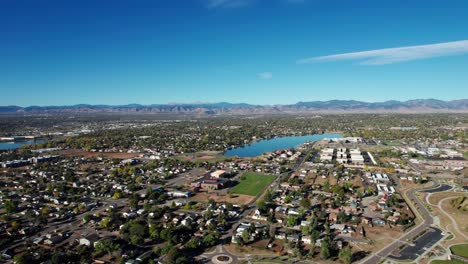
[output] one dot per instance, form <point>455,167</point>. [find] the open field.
<point>380,237</point>
<point>460,217</point>
<point>253,184</point>
<point>239,199</point>
<point>460,250</point>
<point>214,156</point>
<point>112,155</point>
<point>453,261</point>
<point>248,250</point>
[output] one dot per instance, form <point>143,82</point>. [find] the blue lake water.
<point>15,145</point>
<point>258,148</point>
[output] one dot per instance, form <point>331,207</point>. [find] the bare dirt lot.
<point>460,217</point>
<point>112,155</point>
<point>380,236</point>
<point>239,199</point>
<point>203,156</point>
<point>249,250</point>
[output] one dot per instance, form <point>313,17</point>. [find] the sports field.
<point>453,261</point>
<point>253,184</point>
<point>460,250</point>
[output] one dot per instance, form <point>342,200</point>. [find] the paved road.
<point>441,188</point>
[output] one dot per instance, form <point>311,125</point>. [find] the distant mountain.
<point>411,105</point>
<point>332,106</point>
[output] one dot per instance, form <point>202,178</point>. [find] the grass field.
<point>253,184</point>
<point>453,261</point>
<point>392,143</point>
<point>460,250</point>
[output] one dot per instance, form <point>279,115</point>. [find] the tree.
<point>107,245</point>
<point>10,206</point>
<point>327,227</point>
<point>192,244</point>
<point>117,195</point>
<point>211,238</point>
<point>346,255</point>
<point>137,234</point>
<point>269,196</point>
<point>133,202</point>
<point>342,217</point>
<point>305,203</point>
<point>175,256</point>
<point>45,211</point>
<point>15,225</point>
<point>262,206</point>
<point>251,228</point>
<point>324,248</point>
<point>154,232</point>
<point>292,220</point>
<point>105,222</point>
<point>134,232</point>
<point>326,186</point>
<point>245,236</point>
<point>315,235</point>
<point>58,257</point>
<point>338,190</point>
<point>22,258</point>
<point>86,218</point>
<point>239,241</point>
<point>166,234</point>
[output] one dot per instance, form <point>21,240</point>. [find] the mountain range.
<point>332,106</point>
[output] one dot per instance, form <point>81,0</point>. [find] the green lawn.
<point>453,261</point>
<point>392,143</point>
<point>253,184</point>
<point>460,250</point>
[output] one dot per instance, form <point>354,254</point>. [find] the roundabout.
<point>222,259</point>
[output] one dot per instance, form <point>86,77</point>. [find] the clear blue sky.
<point>160,51</point>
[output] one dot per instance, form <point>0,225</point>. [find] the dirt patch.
<point>380,236</point>
<point>239,199</point>
<point>202,156</point>
<point>460,216</point>
<point>248,250</point>
<point>83,153</point>
<point>206,157</point>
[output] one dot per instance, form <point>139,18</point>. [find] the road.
<point>440,188</point>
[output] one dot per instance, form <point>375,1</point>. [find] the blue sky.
<point>254,51</point>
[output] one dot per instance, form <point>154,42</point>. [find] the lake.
<point>268,145</point>
<point>15,145</point>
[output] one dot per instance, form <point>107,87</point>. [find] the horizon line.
<point>220,102</point>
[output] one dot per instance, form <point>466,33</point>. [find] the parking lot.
<point>422,243</point>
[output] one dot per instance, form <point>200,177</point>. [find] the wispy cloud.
<point>242,3</point>
<point>265,75</point>
<point>396,55</point>
<point>228,3</point>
